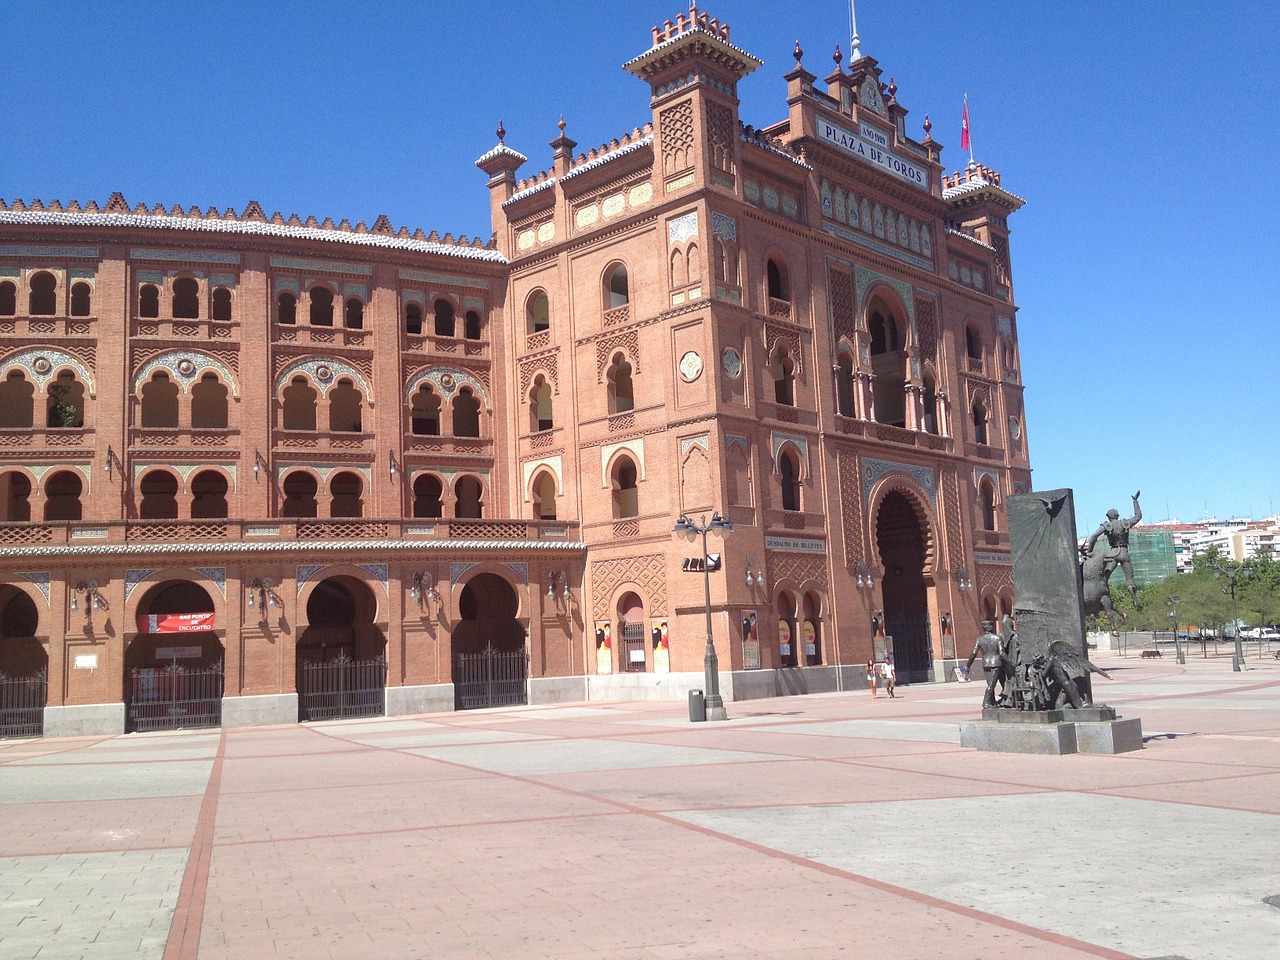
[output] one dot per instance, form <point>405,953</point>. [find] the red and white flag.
<point>964,125</point>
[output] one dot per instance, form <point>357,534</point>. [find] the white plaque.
<point>87,661</point>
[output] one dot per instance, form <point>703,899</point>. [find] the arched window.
<point>622,395</point>
<point>299,405</point>
<point>616,292</point>
<point>844,385</point>
<point>987,498</point>
<point>354,318</point>
<point>471,325</point>
<point>626,494</point>
<point>787,630</point>
<point>413,318</point>
<point>65,406</point>
<point>544,496</point>
<point>424,412</point>
<point>467,504</point>
<point>345,408</point>
<point>159,490</point>
<point>186,299</point>
<point>776,278</point>
<point>321,307</point>
<point>160,402</point>
<point>8,299</point>
<point>538,312</point>
<point>299,495</point>
<point>445,318</point>
<point>17,401</point>
<point>287,308</point>
<point>221,304</point>
<point>466,414</point>
<point>346,490</point>
<point>62,496</point>
<point>811,630</point>
<point>209,496</point>
<point>888,364</point>
<point>15,495</point>
<point>81,294</point>
<point>930,423</point>
<point>428,494</point>
<point>782,370</point>
<point>148,301</point>
<point>209,404</point>
<point>679,269</point>
<point>979,424</point>
<point>43,300</point>
<point>972,343</point>
<point>541,416</point>
<point>726,262</point>
<point>789,480</point>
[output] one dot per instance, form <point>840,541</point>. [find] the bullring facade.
<point>259,468</point>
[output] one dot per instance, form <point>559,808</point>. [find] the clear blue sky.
<point>1141,135</point>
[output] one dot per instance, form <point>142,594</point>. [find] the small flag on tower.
<point>964,125</point>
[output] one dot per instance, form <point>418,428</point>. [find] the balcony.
<point>23,326</point>
<point>284,531</point>
<point>447,346</point>
<point>781,309</point>
<point>36,438</point>
<point>183,438</point>
<point>324,441</point>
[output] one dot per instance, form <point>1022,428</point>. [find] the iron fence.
<point>174,698</point>
<point>22,701</point>
<point>342,689</point>
<point>492,678</point>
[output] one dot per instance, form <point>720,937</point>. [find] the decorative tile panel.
<point>726,228</point>
<point>184,256</point>
<point>446,381</point>
<point>51,253</point>
<point>873,470</point>
<point>380,572</point>
<point>521,570</point>
<point>217,574</point>
<point>683,228</point>
<point>457,571</point>
<point>325,373</point>
<point>132,578</point>
<point>319,266</point>
<point>307,571</point>
<point>42,365</point>
<point>185,367</point>
<point>41,580</point>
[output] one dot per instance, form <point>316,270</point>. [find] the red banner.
<point>175,622</point>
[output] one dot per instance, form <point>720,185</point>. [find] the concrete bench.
<point>1152,653</point>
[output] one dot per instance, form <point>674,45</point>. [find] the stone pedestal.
<point>1094,729</point>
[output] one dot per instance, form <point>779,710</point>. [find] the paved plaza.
<point>804,827</point>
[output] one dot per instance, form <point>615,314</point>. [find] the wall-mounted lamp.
<point>423,587</point>
<point>259,463</point>
<point>863,572</point>
<point>551,585</point>
<point>93,600</point>
<point>113,461</point>
<point>392,467</point>
<point>264,592</point>
<point>963,583</point>
<point>757,580</point>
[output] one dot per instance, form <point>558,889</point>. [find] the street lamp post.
<point>711,663</point>
<point>1173,615</point>
<point>1231,573</point>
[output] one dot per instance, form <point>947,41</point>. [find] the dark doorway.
<point>491,665</point>
<point>24,666</point>
<point>341,661</point>
<point>906,605</point>
<point>173,668</point>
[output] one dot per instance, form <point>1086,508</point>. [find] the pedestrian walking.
<point>871,677</point>
<point>890,675</point>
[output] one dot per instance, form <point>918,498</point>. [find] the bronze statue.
<point>996,663</point>
<point>1116,532</point>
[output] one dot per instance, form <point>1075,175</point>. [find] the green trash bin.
<point>697,706</point>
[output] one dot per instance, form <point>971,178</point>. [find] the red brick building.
<point>236,444</point>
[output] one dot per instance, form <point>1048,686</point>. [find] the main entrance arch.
<point>24,666</point>
<point>490,662</point>
<point>341,655</point>
<point>903,547</point>
<point>173,665</point>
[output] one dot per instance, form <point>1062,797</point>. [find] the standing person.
<point>871,677</point>
<point>890,674</point>
<point>1116,532</point>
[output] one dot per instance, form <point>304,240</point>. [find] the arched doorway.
<point>490,663</point>
<point>906,604</point>
<point>24,666</point>
<point>341,656</point>
<point>173,664</point>
<point>631,628</point>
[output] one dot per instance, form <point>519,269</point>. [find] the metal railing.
<point>22,701</point>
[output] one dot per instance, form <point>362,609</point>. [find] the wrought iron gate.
<point>342,689</point>
<point>912,649</point>
<point>22,701</point>
<point>492,678</point>
<point>174,698</point>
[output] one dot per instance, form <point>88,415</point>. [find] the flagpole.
<point>855,42</point>
<point>968,136</point>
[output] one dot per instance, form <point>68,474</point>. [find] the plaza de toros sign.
<point>872,146</point>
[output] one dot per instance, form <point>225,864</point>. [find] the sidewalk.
<point>805,827</point>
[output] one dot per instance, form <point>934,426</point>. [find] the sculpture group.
<point>1052,680</point>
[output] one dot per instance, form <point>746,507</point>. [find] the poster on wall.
<point>604,646</point>
<point>809,634</point>
<point>661,647</point>
<point>784,638</point>
<point>175,622</point>
<point>750,641</point>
